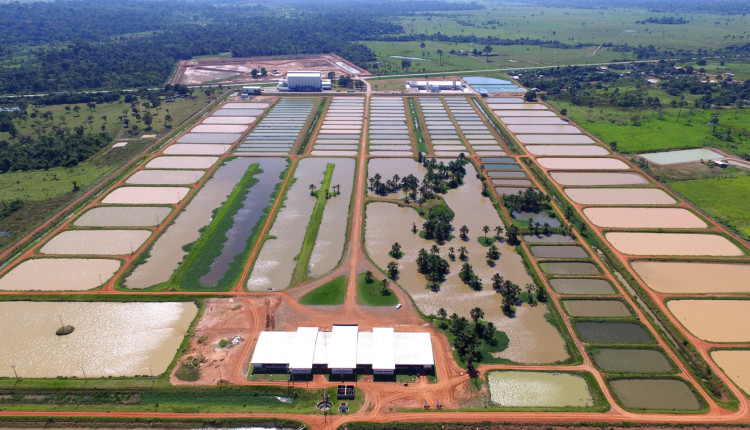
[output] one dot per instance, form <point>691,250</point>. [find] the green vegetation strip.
<point>303,259</point>
<point>371,294</point>
<point>310,126</point>
<point>416,114</point>
<point>203,251</point>
<point>329,294</point>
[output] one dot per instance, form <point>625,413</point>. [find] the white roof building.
<point>343,350</point>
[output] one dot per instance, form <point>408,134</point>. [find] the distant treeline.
<point>75,44</point>
<point>480,40</point>
<point>62,148</point>
<point>724,7</point>
<point>668,20</point>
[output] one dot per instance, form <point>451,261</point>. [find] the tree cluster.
<point>530,200</point>
<point>468,336</point>
<point>433,267</point>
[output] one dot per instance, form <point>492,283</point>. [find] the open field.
<point>575,25</point>
<point>725,199</point>
<point>663,129</point>
<point>428,60</point>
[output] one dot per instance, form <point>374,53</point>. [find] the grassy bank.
<point>331,293</point>
<point>303,258</point>
<point>371,294</point>
<point>211,241</point>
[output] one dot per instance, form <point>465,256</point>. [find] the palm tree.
<point>463,253</point>
<point>464,231</point>
<point>435,250</point>
<point>312,189</point>
<point>440,53</point>
<point>452,253</point>
<point>486,229</point>
<point>498,231</point>
<point>477,314</point>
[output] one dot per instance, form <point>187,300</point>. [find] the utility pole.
<point>13,366</point>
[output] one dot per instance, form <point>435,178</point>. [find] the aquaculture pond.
<point>96,242</point>
<point>734,363</point>
<point>612,332</point>
<point>123,216</point>
<point>558,251</point>
<point>569,268</point>
<point>59,274</point>
<point>110,339</point>
<point>672,218</point>
<point>619,196</point>
<point>596,308</point>
<point>519,389</point>
<point>548,238</point>
<point>167,252</point>
<point>631,360</point>
<point>581,286</point>
<point>245,220</point>
<point>275,264</point>
<point>694,277</point>
<point>672,244</point>
<point>598,178</point>
<point>655,394</point>
<point>714,320</point>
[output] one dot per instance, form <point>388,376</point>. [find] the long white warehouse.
<point>342,351</point>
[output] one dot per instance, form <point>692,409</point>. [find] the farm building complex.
<point>343,350</point>
<point>302,81</point>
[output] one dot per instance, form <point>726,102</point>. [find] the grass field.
<point>371,294</point>
<point>725,199</point>
<point>331,293</point>
<point>570,25</point>
<point>666,128</point>
<point>510,57</point>
<point>45,192</point>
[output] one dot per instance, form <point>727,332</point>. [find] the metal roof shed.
<point>272,348</point>
<point>413,349</point>
<point>383,350</point>
<point>302,350</point>
<point>342,349</point>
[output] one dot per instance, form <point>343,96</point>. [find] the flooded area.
<point>573,163</point>
<point>551,251</point>
<point>209,138</point>
<point>539,218</point>
<point>598,178</point>
<point>672,244</point>
<point>110,339</point>
<point>133,195</point>
<point>245,220</point>
<point>676,277</point>
<point>631,360</point>
<point>590,150</point>
<point>123,216</point>
<point>714,320</point>
<point>682,156</point>
<point>181,162</point>
<point>219,128</point>
<point>612,332</point>
<point>96,242</point>
<point>532,120</point>
<point>566,268</point>
<point>643,218</point>
<point>619,196</point>
<point>276,261</point>
<point>579,286</point>
<point>734,364</point>
<point>519,389</point>
<point>59,274</point>
<point>596,308</point>
<point>165,177</point>
<point>166,253</point>
<point>329,244</point>
<point>660,394</point>
<point>381,232</point>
